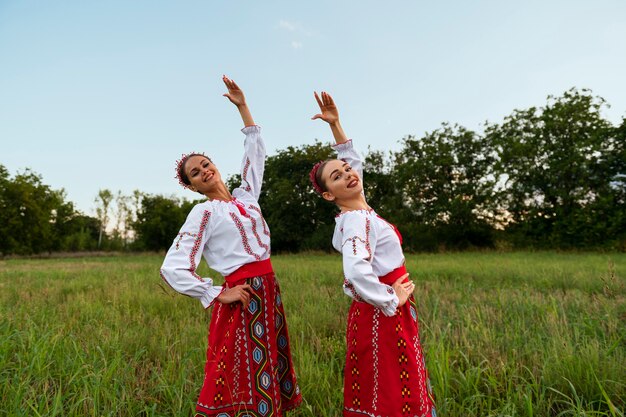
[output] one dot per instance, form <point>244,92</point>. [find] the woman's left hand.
<point>235,95</point>
<point>403,289</point>
<point>238,293</point>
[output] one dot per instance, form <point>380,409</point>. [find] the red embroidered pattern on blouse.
<point>244,176</point>
<point>353,240</point>
<point>244,237</point>
<point>366,241</point>
<point>196,245</point>
<point>266,231</point>
<point>181,235</point>
<point>352,290</point>
<point>367,238</point>
<point>255,233</point>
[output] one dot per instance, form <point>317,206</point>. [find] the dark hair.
<point>321,183</point>
<point>182,175</point>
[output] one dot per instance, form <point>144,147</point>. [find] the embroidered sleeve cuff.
<point>251,129</point>
<point>389,309</point>
<point>339,147</point>
<point>210,297</point>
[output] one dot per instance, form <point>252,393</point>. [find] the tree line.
<point>545,177</point>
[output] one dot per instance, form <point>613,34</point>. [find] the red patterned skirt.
<point>385,373</point>
<point>249,371</point>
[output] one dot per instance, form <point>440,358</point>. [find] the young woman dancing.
<point>249,370</point>
<point>385,374</point>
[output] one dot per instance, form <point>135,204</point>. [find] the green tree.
<point>28,209</point>
<point>382,188</point>
<point>159,220</point>
<point>75,231</point>
<point>5,244</point>
<point>560,165</point>
<point>446,181</point>
<point>85,235</point>
<point>123,221</point>
<point>103,202</point>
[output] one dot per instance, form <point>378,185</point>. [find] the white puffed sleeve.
<point>253,163</point>
<point>357,243</point>
<point>347,152</point>
<point>183,257</point>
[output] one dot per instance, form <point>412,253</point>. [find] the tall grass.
<point>515,334</point>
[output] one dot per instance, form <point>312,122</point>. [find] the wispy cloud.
<point>296,30</point>
<point>287,25</point>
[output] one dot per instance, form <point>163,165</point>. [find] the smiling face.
<point>202,174</point>
<point>340,181</point>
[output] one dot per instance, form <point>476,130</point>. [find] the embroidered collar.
<point>365,211</point>
<point>240,206</point>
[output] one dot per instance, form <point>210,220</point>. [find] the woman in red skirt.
<point>385,374</point>
<point>249,371</point>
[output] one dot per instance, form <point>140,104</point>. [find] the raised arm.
<point>253,163</point>
<point>236,96</point>
<point>343,145</point>
<point>330,115</point>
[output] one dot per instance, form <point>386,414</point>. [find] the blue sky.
<point>109,94</point>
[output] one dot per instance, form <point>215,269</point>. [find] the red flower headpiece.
<point>181,162</point>
<point>312,177</point>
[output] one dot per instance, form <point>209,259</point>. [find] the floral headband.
<point>181,162</point>
<point>313,177</point>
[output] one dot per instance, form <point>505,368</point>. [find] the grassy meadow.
<point>505,334</point>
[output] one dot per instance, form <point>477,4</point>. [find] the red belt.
<point>253,269</point>
<point>393,276</point>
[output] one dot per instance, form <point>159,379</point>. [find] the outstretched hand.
<point>329,112</point>
<point>235,95</point>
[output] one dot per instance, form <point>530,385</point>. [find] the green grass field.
<point>505,334</point>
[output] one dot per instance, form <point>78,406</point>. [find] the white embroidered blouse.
<point>228,234</point>
<point>370,247</point>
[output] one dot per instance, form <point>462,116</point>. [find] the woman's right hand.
<point>238,293</point>
<point>403,289</point>
<point>235,95</point>
<point>329,112</point>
